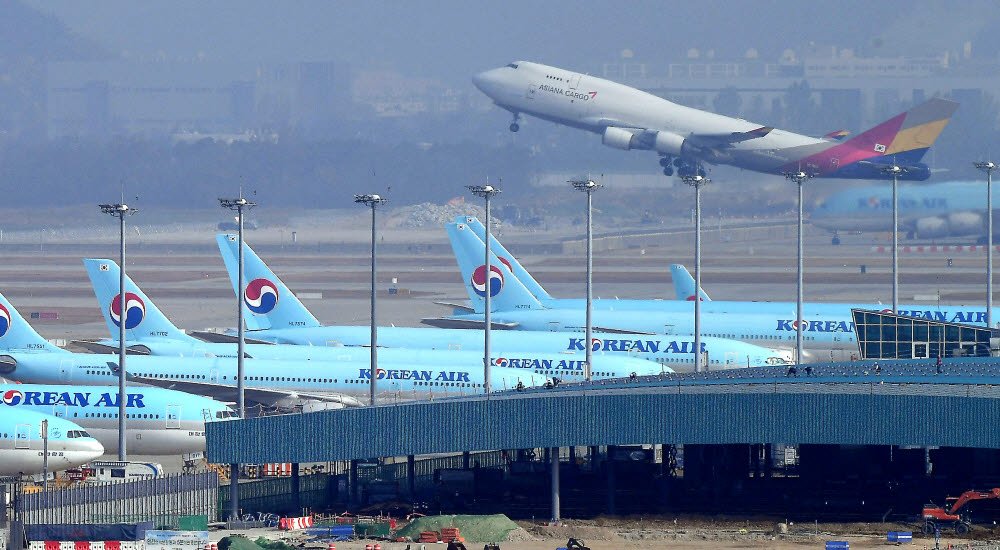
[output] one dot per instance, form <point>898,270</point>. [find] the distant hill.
<point>27,35</point>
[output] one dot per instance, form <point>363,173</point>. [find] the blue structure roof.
<point>859,403</point>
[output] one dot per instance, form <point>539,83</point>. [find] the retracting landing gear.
<point>514,126</point>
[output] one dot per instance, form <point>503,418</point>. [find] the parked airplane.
<point>154,334</point>
<point>21,444</point>
<point>628,118</point>
<point>473,250</point>
<point>948,209</point>
<point>284,319</point>
<point>285,384</point>
<point>159,422</point>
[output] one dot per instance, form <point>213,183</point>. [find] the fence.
<point>161,500</point>
<point>276,496</point>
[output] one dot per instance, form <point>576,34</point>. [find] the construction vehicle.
<point>949,516</point>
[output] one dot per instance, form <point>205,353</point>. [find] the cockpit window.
<point>225,414</point>
<point>512,65</point>
<point>75,434</point>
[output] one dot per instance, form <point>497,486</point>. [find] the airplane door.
<point>574,81</point>
<point>60,411</point>
<point>173,417</point>
<point>554,326</point>
<point>22,436</point>
<point>333,344</point>
<point>66,370</point>
<point>213,375</point>
<point>731,358</point>
<point>531,91</point>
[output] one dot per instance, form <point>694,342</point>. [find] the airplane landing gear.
<point>835,240</point>
<point>514,126</point>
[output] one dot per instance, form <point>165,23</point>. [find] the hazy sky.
<point>451,40</point>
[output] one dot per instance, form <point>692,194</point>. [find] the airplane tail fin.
<point>506,291</point>
<point>142,317</point>
<point>905,138</point>
<point>684,284</point>
<point>268,302</point>
<point>511,262</point>
<point>16,334</point>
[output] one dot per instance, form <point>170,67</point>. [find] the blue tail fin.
<point>16,334</point>
<point>522,274</point>
<point>684,284</point>
<point>506,291</point>
<point>268,302</point>
<point>142,318</point>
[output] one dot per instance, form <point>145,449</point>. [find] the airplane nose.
<point>485,81</point>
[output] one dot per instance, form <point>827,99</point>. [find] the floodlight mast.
<point>487,192</point>
<point>372,201</point>
<point>895,171</point>
<point>798,178</point>
<point>588,186</point>
<point>120,210</point>
<point>988,167</point>
<point>697,182</point>
<point>239,205</point>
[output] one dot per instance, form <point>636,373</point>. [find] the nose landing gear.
<point>514,126</point>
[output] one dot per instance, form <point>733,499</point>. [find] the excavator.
<point>949,516</point>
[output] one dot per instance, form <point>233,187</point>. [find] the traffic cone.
<point>368,547</point>
<point>378,546</point>
<point>331,547</point>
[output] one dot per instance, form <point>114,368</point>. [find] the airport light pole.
<point>45,455</point>
<point>239,205</point>
<point>697,182</point>
<point>588,186</point>
<point>487,192</point>
<point>895,171</point>
<point>798,178</point>
<point>120,211</point>
<point>372,201</point>
<point>988,167</point>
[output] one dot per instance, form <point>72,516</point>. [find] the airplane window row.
<point>448,384</point>
<point>115,415</point>
<point>512,65</point>
<point>550,77</point>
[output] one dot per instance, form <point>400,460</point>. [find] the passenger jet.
<point>686,138</point>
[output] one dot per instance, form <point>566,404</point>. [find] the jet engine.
<point>931,228</point>
<point>668,144</point>
<point>966,223</point>
<point>619,138</point>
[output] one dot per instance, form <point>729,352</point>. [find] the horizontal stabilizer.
<point>224,337</point>
<point>474,324</point>
<point>458,308</point>
<point>103,347</point>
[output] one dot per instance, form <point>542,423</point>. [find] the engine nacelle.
<point>666,143</point>
<point>932,228</point>
<point>619,139</point>
<point>966,223</point>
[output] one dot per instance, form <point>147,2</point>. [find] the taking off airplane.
<point>686,138</point>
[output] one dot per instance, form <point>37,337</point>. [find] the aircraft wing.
<point>622,331</point>
<point>100,347</point>
<point>722,140</point>
<point>226,392</point>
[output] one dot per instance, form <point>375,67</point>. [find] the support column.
<point>572,457</point>
<point>554,472</point>
<point>768,463</point>
<point>410,471</point>
<point>353,483</point>
<point>296,488</point>
<point>610,465</point>
<point>465,460</point>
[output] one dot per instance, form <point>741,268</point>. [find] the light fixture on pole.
<point>372,201</point>
<point>988,167</point>
<point>487,192</point>
<point>239,204</point>
<point>697,182</point>
<point>588,186</point>
<point>895,171</point>
<point>120,211</point>
<point>798,178</point>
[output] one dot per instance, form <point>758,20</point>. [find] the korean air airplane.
<point>686,138</point>
<point>934,211</point>
<point>21,445</point>
<point>27,357</point>
<point>274,314</point>
<point>473,250</point>
<point>153,334</point>
<point>160,422</point>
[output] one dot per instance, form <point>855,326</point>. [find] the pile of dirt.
<point>432,215</point>
<point>493,528</point>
